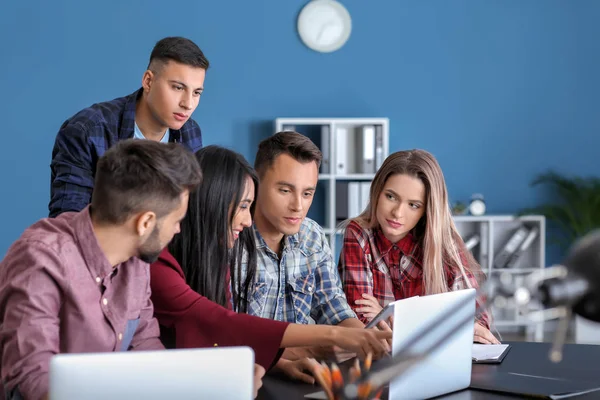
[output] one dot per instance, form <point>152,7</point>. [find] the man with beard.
<point>80,282</point>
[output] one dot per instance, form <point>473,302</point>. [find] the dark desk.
<point>581,362</point>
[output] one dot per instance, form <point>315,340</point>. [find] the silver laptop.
<point>446,369</point>
<point>215,373</point>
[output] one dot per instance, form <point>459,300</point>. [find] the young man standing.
<point>159,111</point>
<point>296,277</point>
<point>80,282</point>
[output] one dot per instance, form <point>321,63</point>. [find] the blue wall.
<point>498,90</point>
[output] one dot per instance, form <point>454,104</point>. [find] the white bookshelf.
<point>494,232</point>
<point>350,127</point>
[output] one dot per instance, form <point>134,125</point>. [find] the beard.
<point>149,257</point>
<point>151,249</point>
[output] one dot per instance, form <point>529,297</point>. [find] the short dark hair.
<point>139,175</point>
<point>294,144</point>
<point>180,50</point>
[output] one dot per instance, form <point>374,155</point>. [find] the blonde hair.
<point>435,232</point>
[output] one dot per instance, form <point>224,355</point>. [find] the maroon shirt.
<point>195,321</point>
<point>59,294</point>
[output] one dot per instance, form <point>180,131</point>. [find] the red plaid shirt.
<point>370,263</point>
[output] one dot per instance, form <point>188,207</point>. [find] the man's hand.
<point>298,369</point>
<point>387,326</point>
<point>363,341</point>
<point>259,372</point>
<point>483,335</point>
<point>369,306</point>
<point>342,355</point>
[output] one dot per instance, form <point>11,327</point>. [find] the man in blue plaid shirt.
<point>160,111</point>
<point>296,279</point>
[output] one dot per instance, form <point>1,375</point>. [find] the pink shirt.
<point>59,294</point>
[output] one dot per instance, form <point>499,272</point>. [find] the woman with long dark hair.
<point>190,282</point>
<point>208,249</point>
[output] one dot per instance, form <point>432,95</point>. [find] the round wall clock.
<point>324,25</point>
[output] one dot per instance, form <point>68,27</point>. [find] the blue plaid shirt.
<point>303,285</point>
<point>84,138</point>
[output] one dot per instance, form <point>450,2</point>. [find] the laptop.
<point>447,369</point>
<point>215,373</point>
<point>444,370</point>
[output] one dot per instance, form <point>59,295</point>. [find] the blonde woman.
<point>405,242</point>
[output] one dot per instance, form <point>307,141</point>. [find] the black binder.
<point>531,385</point>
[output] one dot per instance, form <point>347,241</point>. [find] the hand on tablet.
<point>387,327</point>
<point>483,335</point>
<point>369,306</point>
<point>363,341</point>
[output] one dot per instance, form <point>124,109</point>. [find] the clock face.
<point>477,207</point>
<point>324,25</point>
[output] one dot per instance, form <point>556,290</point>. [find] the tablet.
<point>384,314</point>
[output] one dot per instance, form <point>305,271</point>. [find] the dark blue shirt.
<point>84,138</point>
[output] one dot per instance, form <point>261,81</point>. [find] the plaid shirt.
<point>84,138</point>
<point>370,263</point>
<point>301,285</point>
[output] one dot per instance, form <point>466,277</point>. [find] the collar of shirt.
<point>406,245</point>
<point>289,241</point>
<point>402,256</point>
<point>95,258</point>
<point>128,122</point>
<point>137,133</point>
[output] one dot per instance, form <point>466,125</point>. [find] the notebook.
<point>489,353</point>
